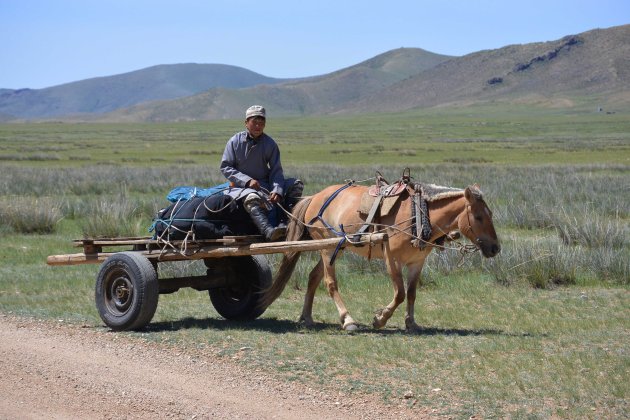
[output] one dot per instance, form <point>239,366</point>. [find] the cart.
<point>128,283</point>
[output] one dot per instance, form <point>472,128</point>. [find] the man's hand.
<point>275,198</point>
<point>254,184</point>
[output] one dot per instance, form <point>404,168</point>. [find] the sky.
<point>50,42</point>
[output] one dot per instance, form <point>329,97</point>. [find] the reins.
<point>421,211</point>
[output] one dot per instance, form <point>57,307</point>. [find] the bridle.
<point>478,241</point>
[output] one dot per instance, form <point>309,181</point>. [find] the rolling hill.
<point>587,69</point>
<point>105,94</point>
<point>314,95</point>
<point>591,68</point>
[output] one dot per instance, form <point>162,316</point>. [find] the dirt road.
<point>56,371</point>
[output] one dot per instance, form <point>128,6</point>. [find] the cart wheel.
<point>247,276</point>
<point>127,291</point>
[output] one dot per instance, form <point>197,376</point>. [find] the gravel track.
<point>54,370</point>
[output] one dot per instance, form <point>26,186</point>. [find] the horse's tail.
<point>295,231</point>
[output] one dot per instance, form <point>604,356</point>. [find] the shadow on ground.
<point>283,326</point>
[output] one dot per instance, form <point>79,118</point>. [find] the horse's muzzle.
<point>489,250</point>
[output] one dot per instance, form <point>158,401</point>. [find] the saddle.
<point>381,198</point>
<point>380,190</point>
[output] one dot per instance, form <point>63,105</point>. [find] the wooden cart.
<point>128,284</point>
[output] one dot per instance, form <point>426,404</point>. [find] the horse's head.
<point>475,222</point>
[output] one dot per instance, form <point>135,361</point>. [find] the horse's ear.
<point>468,194</point>
<point>473,193</point>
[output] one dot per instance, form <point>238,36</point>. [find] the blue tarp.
<point>185,193</point>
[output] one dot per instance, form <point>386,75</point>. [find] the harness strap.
<point>425,234</point>
<point>341,231</point>
<point>370,217</point>
<point>414,217</point>
<point>325,206</point>
<point>381,183</point>
<point>337,249</point>
<point>421,221</point>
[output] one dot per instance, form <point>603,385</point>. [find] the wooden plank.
<point>215,251</point>
<point>111,241</point>
<point>149,241</point>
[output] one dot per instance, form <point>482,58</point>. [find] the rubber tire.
<point>247,276</point>
<point>127,291</point>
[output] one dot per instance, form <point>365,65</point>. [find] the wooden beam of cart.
<point>214,251</point>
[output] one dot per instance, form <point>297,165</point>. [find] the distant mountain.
<point>314,95</point>
<point>594,64</point>
<point>588,68</point>
<point>592,67</point>
<point>105,94</point>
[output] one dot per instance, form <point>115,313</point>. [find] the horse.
<point>333,212</point>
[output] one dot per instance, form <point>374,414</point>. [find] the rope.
<point>397,228</point>
<point>164,238</point>
<point>462,248</point>
<point>189,235</point>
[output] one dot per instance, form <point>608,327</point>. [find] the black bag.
<point>207,218</point>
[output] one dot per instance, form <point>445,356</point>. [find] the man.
<point>251,162</point>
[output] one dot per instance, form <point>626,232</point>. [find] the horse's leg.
<point>394,268</point>
<point>330,279</point>
<point>314,278</point>
<point>413,276</point>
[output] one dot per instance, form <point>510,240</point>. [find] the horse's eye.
<point>479,218</point>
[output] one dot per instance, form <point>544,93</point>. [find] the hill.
<point>588,69</point>
<point>594,65</point>
<point>314,95</point>
<point>105,94</point>
<point>584,70</point>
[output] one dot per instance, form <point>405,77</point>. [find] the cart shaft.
<point>195,252</point>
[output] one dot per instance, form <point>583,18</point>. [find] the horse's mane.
<point>432,192</point>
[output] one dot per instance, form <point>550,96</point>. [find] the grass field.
<point>540,331</point>
<point>465,136</point>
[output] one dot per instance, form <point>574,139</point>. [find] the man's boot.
<point>259,217</point>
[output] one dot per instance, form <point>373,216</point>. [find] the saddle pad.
<point>388,204</point>
<point>367,201</point>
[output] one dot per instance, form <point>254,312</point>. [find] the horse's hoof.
<point>379,320</point>
<point>377,324</point>
<point>306,323</point>
<point>413,327</point>
<point>348,324</point>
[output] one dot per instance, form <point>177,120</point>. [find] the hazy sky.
<point>49,42</point>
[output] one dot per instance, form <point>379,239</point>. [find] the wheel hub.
<point>120,294</point>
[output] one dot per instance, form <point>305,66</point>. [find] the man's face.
<point>255,126</point>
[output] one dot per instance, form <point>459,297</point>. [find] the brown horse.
<point>335,209</point>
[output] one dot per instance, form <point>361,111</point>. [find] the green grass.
<point>540,331</point>
<point>470,135</point>
<point>485,350</point>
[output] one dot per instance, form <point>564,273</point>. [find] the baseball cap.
<point>255,111</point>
